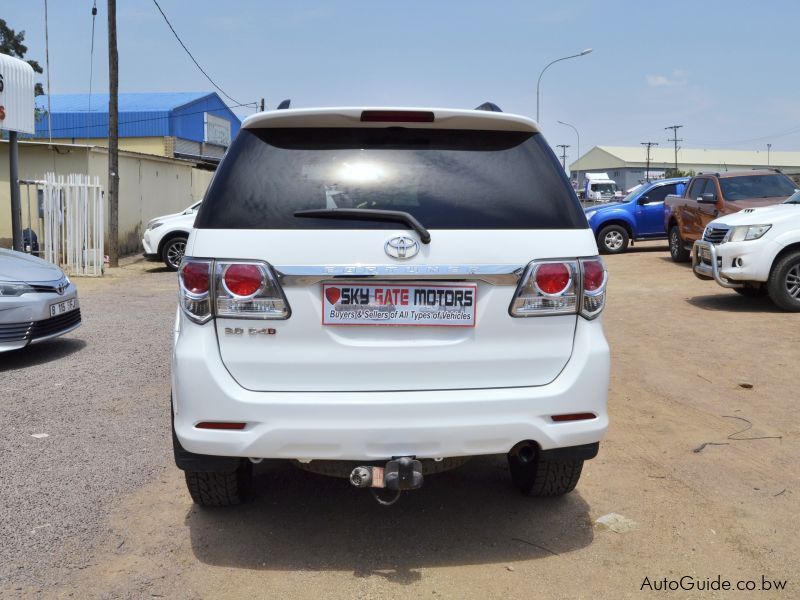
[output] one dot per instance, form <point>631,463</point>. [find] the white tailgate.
<point>305,355</point>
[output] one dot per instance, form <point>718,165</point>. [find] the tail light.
<point>547,288</point>
<point>194,281</point>
<point>560,288</point>
<point>249,290</point>
<point>246,290</point>
<point>595,278</point>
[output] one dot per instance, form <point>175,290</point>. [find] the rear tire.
<point>784,282</point>
<point>677,250</point>
<point>612,239</point>
<point>542,478</point>
<point>172,252</point>
<point>220,489</point>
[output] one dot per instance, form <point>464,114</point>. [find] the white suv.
<point>755,252</point>
<point>165,237</point>
<point>381,294</point>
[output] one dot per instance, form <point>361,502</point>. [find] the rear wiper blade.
<point>368,214</point>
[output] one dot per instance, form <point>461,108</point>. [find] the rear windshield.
<point>756,186</point>
<point>447,179</point>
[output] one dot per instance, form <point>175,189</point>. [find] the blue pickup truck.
<point>638,216</point>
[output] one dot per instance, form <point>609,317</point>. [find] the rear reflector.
<point>397,116</point>
<point>220,425</point>
<point>573,417</point>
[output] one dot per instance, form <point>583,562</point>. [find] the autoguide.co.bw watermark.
<point>707,584</point>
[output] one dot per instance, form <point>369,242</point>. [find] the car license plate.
<point>59,308</point>
<point>401,304</point>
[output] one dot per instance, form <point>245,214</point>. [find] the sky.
<point>725,70</point>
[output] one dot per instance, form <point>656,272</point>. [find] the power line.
<point>675,139</point>
<point>648,144</point>
<point>563,155</point>
<point>177,37</point>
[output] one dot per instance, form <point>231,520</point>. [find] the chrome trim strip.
<point>305,275</point>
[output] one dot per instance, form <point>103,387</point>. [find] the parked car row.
<point>738,228</point>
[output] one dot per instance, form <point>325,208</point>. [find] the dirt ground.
<point>692,363</point>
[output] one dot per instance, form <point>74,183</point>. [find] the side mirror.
<point>644,200</point>
<point>708,198</point>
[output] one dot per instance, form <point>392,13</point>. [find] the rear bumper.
<point>379,425</point>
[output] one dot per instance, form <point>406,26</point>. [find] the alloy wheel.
<point>792,281</point>
<point>175,252</point>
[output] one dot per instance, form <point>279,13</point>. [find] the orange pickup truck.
<point>711,195</point>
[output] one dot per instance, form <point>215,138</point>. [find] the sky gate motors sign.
<point>16,95</point>
<point>412,304</point>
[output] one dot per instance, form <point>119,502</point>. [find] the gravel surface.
<point>699,475</point>
<point>101,394</point>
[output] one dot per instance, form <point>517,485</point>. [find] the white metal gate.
<point>73,223</point>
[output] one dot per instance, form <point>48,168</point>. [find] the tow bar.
<point>400,474</point>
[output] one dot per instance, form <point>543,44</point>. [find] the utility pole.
<point>262,105</point>
<point>769,147</point>
<point>647,172</point>
<point>675,139</point>
<point>16,204</point>
<point>563,155</point>
<point>113,137</point>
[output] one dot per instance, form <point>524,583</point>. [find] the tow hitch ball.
<point>399,474</point>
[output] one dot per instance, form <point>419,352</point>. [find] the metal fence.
<point>71,210</point>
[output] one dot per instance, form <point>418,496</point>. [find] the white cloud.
<point>677,78</point>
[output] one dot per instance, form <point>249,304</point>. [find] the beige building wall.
<point>159,146</point>
<point>150,186</point>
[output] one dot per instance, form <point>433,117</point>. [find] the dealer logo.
<point>401,247</point>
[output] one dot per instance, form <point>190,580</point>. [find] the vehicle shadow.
<point>471,515</point>
<point>733,302</point>
<point>39,354</point>
<point>157,269</point>
<point>684,265</point>
<point>639,249</point>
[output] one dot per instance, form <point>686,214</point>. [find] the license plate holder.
<point>63,307</point>
<point>399,304</point>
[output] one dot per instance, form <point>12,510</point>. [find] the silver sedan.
<point>37,301</point>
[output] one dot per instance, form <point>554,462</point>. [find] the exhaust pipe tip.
<point>525,451</point>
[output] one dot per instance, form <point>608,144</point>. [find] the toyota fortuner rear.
<point>381,292</point>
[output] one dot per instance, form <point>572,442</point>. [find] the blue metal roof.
<point>178,114</point>
<point>127,102</point>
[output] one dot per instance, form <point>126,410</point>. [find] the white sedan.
<point>37,301</point>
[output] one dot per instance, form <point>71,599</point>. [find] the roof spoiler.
<point>490,106</point>
<point>284,105</point>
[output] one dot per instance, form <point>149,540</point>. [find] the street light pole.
<point>577,171</point>
<point>584,53</point>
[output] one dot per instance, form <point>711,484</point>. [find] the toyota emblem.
<point>402,247</point>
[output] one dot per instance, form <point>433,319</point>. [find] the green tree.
<point>672,172</point>
<point>11,44</point>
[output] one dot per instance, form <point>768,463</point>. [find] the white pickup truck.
<point>755,252</point>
